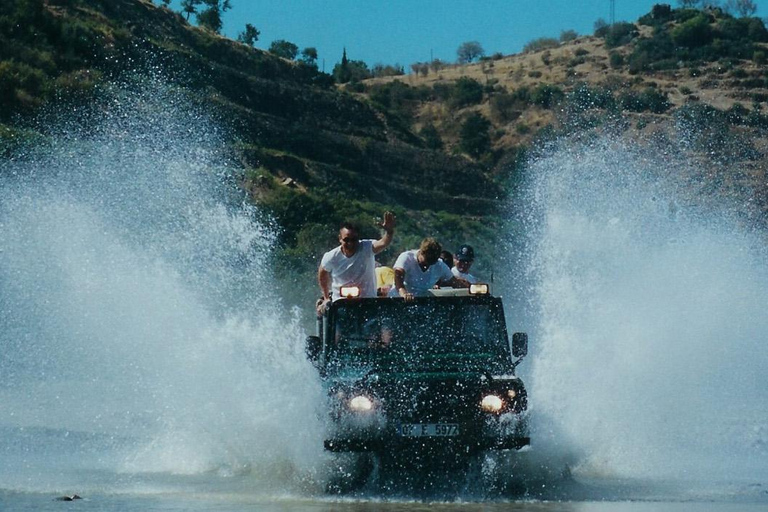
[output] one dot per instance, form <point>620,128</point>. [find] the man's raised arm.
<point>388,225</point>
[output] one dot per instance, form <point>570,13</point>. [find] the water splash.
<point>650,319</point>
<point>137,305</point>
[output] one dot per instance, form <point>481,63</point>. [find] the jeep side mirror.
<point>313,347</point>
<point>520,344</point>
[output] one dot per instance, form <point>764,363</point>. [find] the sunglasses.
<point>349,240</point>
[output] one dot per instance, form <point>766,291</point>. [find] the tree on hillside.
<point>436,65</point>
<point>249,36</point>
<point>210,17</point>
<point>688,4</point>
<point>350,70</point>
<point>309,56</point>
<point>420,68</point>
<point>284,49</point>
<point>189,7</point>
<point>744,8</point>
<point>357,70</point>
<point>341,71</point>
<point>469,51</point>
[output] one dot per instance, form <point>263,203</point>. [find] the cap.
<point>465,253</point>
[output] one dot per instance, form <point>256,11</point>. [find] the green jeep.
<point>431,377</point>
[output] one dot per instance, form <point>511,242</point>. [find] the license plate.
<point>428,429</point>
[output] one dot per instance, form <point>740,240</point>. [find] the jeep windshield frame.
<point>446,333</point>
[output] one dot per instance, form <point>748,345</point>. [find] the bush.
<point>466,91</point>
<point>541,43</point>
<point>693,33</point>
<point>431,137</point>
<point>620,34</point>
<point>474,137</point>
<point>380,70</point>
<point>649,100</point>
<point>547,95</point>
<point>616,60</point>
<point>505,108</point>
<point>586,97</point>
<point>568,35</point>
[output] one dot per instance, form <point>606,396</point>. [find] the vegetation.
<point>284,49</point>
<point>469,52</point>
<point>314,153</point>
<point>540,44</point>
<point>475,139</point>
<point>249,36</point>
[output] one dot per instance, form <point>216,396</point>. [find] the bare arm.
<point>324,280</point>
<point>400,284</point>
<point>388,225</point>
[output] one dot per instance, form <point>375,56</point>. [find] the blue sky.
<point>408,31</point>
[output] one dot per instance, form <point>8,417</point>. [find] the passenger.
<point>385,280</point>
<point>447,258</point>
<point>464,258</point>
<point>417,271</point>
<point>352,263</point>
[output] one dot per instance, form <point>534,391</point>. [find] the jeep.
<point>431,376</point>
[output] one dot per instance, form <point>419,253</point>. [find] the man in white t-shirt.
<point>463,261</point>
<point>353,262</point>
<point>419,270</point>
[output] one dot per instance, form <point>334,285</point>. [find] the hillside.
<point>314,153</point>
<point>704,70</point>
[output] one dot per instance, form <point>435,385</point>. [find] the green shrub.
<point>585,97</point>
<point>541,43</point>
<point>466,91</point>
<point>505,107</point>
<point>474,135</point>
<point>693,33</point>
<point>547,95</point>
<point>620,34</point>
<point>431,137</point>
<point>568,35</point>
<point>649,100</point>
<point>616,60</point>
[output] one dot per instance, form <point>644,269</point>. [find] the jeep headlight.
<point>360,403</point>
<point>478,289</point>
<point>350,292</point>
<point>491,403</point>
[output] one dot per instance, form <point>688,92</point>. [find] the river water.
<point>148,363</point>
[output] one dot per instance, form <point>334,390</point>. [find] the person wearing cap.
<point>352,263</point>
<point>419,270</point>
<point>463,261</point>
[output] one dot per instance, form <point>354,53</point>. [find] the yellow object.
<point>385,276</point>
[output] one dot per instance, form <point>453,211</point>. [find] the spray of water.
<point>140,329</point>
<point>650,320</point>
